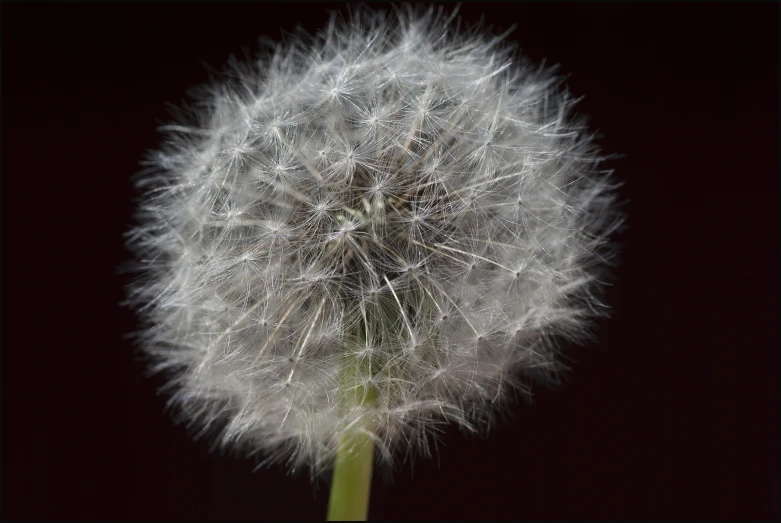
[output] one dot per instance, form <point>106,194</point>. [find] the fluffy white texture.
<point>394,206</point>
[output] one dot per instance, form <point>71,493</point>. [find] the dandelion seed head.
<point>393,192</point>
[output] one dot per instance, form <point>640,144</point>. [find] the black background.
<point>672,414</point>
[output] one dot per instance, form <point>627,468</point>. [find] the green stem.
<point>352,478</point>
<point>354,457</point>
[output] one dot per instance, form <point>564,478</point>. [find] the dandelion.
<point>365,236</point>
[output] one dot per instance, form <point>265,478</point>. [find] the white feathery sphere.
<point>384,227</point>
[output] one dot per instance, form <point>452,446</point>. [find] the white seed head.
<point>394,206</point>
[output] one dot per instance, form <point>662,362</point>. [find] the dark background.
<point>672,414</point>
